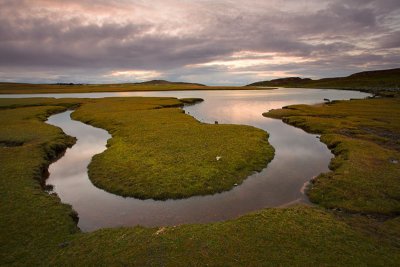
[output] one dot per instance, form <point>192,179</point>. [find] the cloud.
<point>88,40</point>
<point>135,74</point>
<point>391,40</point>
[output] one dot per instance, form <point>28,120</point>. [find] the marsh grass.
<point>364,136</point>
<point>298,236</point>
<point>159,152</point>
<point>36,229</point>
<point>32,222</point>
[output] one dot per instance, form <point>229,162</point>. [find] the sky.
<point>215,42</point>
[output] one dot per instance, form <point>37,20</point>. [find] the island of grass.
<point>37,230</point>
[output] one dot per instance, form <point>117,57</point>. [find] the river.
<point>299,157</point>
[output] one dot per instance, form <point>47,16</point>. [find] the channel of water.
<point>299,157</point>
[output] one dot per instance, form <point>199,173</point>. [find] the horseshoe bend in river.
<point>299,156</point>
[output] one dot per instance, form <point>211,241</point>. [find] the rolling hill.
<point>371,81</point>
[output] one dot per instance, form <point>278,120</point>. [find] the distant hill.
<point>282,81</point>
<point>163,82</point>
<point>370,81</point>
<point>155,85</point>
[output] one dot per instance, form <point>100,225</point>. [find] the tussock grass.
<point>163,153</point>
<point>364,135</point>
<point>32,222</point>
<point>37,230</point>
<point>299,236</point>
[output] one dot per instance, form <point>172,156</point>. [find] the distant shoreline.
<point>18,88</point>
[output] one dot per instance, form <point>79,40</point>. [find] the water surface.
<point>299,156</point>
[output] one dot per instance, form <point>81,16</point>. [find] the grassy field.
<point>365,137</point>
<point>37,230</point>
<point>163,153</point>
<point>32,222</point>
<point>299,236</point>
<point>25,88</point>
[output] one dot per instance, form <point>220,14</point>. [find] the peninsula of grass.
<point>36,229</point>
<point>364,135</point>
<point>157,151</point>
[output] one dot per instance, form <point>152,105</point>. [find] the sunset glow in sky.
<point>214,42</point>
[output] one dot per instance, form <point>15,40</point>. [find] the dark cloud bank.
<point>213,42</point>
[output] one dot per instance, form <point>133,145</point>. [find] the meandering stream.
<point>299,156</point>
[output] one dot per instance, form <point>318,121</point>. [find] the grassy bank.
<point>298,236</point>
<point>364,136</point>
<point>25,88</point>
<point>37,230</point>
<point>163,153</point>
<point>32,222</point>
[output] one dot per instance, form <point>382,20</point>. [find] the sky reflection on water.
<point>299,157</point>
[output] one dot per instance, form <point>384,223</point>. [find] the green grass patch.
<point>298,236</point>
<point>32,222</point>
<point>37,230</point>
<point>364,136</point>
<point>158,152</point>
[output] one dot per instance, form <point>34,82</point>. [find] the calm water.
<point>298,157</point>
